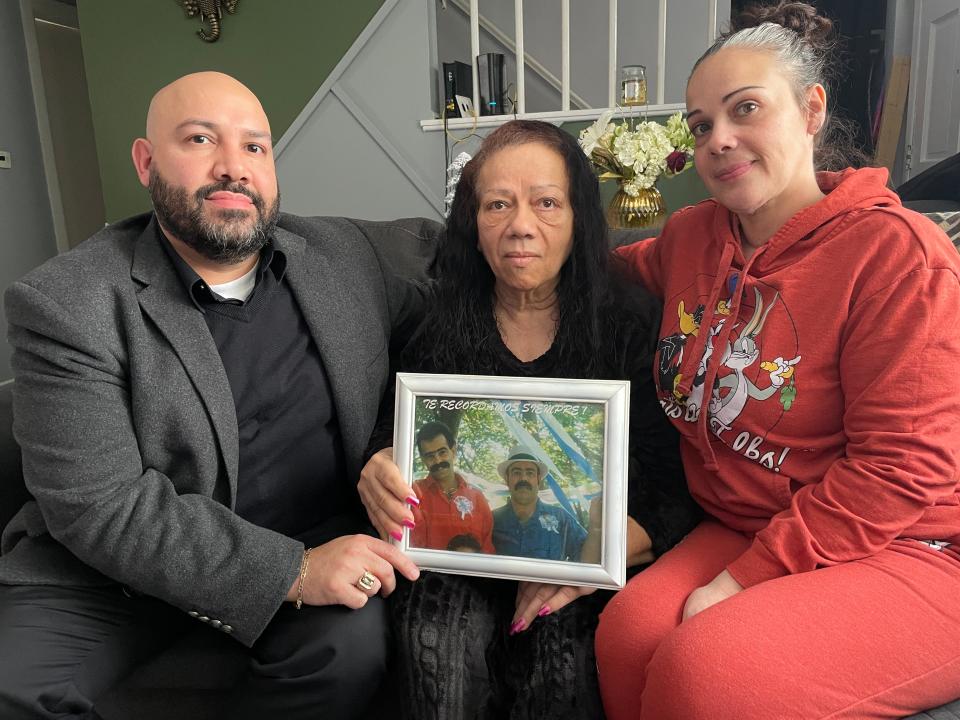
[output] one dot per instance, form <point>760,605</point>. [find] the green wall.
<point>282,49</point>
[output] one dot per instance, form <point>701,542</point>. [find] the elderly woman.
<point>818,403</point>
<point>524,290</point>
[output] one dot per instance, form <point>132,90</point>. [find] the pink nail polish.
<point>518,626</point>
<point>545,610</point>
<point>413,500</point>
<point>409,524</point>
<point>396,536</point>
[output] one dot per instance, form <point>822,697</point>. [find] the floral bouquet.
<point>636,154</point>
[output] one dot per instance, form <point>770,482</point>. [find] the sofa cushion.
<point>625,236</point>
<point>951,711</point>
<point>939,183</point>
<point>949,222</point>
<point>932,206</point>
<point>405,246</point>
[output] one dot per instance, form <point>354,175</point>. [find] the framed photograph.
<point>520,478</point>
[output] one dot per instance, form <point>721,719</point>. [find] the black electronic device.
<point>490,77</point>
<point>457,80</point>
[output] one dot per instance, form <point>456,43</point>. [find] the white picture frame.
<point>556,404</point>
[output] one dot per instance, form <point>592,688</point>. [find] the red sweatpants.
<point>874,638</point>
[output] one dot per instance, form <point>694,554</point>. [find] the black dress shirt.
<point>291,470</point>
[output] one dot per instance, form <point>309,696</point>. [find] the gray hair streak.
<point>805,65</point>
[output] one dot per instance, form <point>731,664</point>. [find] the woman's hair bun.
<point>800,17</point>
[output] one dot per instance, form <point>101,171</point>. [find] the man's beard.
<point>226,238</point>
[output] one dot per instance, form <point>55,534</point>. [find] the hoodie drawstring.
<point>714,363</point>
<point>692,360</point>
<point>688,369</point>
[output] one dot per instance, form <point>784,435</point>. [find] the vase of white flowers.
<point>636,155</point>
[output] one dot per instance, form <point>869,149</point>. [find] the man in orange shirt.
<point>449,505</point>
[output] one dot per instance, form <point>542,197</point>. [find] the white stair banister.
<point>614,71</point>
<point>521,88</point>
<point>474,51</point>
<point>711,21</point>
<point>565,49</point>
<point>661,50</point>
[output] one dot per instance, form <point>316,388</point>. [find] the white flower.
<point>645,180</point>
<point>679,133</point>
<point>638,151</point>
<point>594,135</point>
<point>626,146</point>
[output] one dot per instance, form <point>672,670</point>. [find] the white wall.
<point>26,225</point>
<point>357,148</point>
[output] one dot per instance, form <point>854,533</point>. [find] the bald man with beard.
<point>194,390</point>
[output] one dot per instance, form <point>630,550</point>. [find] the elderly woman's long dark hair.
<point>462,322</point>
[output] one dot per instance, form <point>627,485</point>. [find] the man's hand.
<point>388,499</point>
<point>335,567</point>
<point>717,590</point>
<point>538,599</point>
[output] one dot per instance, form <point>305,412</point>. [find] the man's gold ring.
<point>367,581</point>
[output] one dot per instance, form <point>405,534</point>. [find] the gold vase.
<point>645,210</point>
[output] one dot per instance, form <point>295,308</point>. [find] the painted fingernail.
<point>518,626</point>
<point>545,610</point>
<point>409,524</point>
<point>396,536</point>
<point>413,500</point>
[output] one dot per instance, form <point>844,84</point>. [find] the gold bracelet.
<point>303,576</point>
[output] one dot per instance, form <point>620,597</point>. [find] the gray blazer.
<point>127,424</point>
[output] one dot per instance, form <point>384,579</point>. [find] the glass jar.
<point>633,85</point>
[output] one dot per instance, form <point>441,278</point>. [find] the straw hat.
<point>521,453</point>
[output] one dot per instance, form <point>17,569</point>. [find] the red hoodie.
<point>829,365</point>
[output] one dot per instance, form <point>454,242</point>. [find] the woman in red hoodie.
<point>809,356</point>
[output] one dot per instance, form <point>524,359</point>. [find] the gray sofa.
<point>187,680</point>
<point>936,189</point>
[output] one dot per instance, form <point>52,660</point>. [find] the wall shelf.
<point>556,117</point>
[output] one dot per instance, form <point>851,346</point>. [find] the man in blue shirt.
<point>526,526</point>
